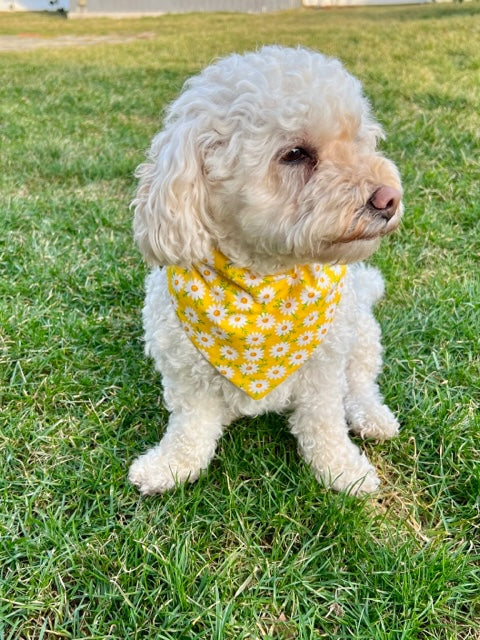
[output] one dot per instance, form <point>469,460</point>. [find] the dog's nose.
<point>385,200</point>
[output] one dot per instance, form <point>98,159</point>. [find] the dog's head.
<point>270,157</point>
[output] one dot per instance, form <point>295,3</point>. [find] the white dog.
<point>263,185</point>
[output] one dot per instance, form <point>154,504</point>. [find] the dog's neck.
<point>258,262</point>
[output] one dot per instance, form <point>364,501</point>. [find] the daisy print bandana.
<point>255,330</point>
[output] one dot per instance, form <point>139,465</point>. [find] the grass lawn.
<point>255,549</point>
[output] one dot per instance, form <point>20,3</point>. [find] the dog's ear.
<point>171,216</point>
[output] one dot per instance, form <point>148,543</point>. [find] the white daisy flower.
<point>177,282</point>
<point>316,269</point>
<point>252,279</point>
<point>311,319</point>
<point>217,293</point>
<point>288,306</point>
<point>252,355</point>
<point>279,349</point>
<point>309,295</point>
<point>275,373</point>
<point>216,313</point>
<point>191,315</point>
<point>188,329</point>
<point>323,330</point>
<point>323,281</point>
<point>266,294</point>
<point>205,339</point>
<point>209,259</point>
<point>294,278</point>
<point>265,321</point>
<point>207,273</point>
<point>298,357</point>
<point>283,328</point>
<point>248,368</point>
<point>305,338</point>
<point>259,386</point>
<point>330,312</point>
<point>228,353</point>
<point>228,372</point>
<point>331,296</point>
<point>219,333</point>
<point>337,269</point>
<point>255,339</point>
<point>195,289</point>
<point>243,301</point>
<point>237,320</point>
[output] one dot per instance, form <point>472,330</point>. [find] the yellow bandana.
<point>255,330</point>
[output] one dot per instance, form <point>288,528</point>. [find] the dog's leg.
<point>186,448</point>
<point>367,414</point>
<point>320,427</point>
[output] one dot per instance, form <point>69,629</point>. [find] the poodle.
<point>255,207</point>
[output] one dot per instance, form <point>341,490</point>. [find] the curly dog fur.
<point>271,158</point>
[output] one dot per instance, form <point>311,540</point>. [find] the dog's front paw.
<point>375,421</point>
<point>154,472</point>
<point>355,484</point>
<point>150,480</point>
<point>352,474</point>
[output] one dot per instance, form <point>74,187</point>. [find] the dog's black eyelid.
<point>296,155</point>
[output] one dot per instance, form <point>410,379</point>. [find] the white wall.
<point>33,5</point>
<point>125,7</point>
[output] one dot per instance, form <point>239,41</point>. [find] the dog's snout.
<point>385,201</point>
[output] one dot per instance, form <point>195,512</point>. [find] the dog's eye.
<point>296,156</point>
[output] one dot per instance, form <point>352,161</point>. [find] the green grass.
<point>255,549</point>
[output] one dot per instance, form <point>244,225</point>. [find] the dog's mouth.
<point>369,224</point>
